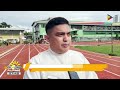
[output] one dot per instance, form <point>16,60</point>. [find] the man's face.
<point>60,38</point>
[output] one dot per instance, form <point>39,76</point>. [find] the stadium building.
<point>12,35</point>
<point>81,30</point>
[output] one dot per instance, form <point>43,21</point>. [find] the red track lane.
<point>103,74</point>
<point>101,55</point>
<point>33,51</point>
<point>103,58</point>
<point>42,47</point>
<point>110,68</point>
<point>114,57</point>
<point>113,66</point>
<point>5,48</point>
<point>98,55</point>
<point>7,60</point>
<point>23,58</point>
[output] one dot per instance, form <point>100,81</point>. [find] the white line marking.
<point>12,61</point>
<point>109,64</point>
<point>36,49</point>
<point>9,50</point>
<point>1,56</point>
<point>103,62</point>
<point>41,47</point>
<point>97,53</point>
<point>102,57</point>
<point>112,73</point>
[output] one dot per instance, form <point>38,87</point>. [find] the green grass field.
<point>106,49</point>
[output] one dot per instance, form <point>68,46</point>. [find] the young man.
<point>58,35</point>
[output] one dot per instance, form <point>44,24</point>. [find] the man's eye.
<point>68,34</point>
<point>60,34</point>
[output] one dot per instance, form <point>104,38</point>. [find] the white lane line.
<point>107,63</point>
<point>97,53</point>
<point>8,52</point>
<point>112,73</point>
<point>12,61</point>
<point>41,47</point>
<point>36,49</point>
<point>101,57</point>
<point>103,62</point>
<point>45,46</point>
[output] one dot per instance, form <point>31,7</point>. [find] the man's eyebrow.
<point>68,32</point>
<point>62,32</point>
<point>59,33</point>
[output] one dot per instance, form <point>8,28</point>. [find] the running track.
<point>23,53</point>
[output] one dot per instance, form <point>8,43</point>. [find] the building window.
<point>76,26</point>
<point>43,25</point>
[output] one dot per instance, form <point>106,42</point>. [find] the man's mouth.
<point>65,45</point>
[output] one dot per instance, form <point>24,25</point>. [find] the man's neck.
<point>59,53</point>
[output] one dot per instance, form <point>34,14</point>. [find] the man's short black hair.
<point>55,21</point>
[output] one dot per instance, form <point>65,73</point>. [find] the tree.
<point>9,26</point>
<point>4,25</point>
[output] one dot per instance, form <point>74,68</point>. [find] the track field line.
<point>7,53</point>
<point>101,57</point>
<point>9,50</point>
<point>102,61</point>
<point>106,63</point>
<point>36,49</point>
<point>12,61</point>
<point>112,73</point>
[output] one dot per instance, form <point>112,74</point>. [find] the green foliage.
<point>27,41</point>
<point>105,49</point>
<point>0,43</point>
<point>27,33</point>
<point>4,25</point>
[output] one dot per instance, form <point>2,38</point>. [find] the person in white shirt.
<point>59,53</point>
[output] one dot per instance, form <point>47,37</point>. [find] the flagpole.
<point>108,18</point>
<point>111,39</point>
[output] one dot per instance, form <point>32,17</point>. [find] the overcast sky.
<point>26,18</point>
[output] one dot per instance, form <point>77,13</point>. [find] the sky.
<point>24,19</point>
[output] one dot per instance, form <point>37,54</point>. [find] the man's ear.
<point>47,37</point>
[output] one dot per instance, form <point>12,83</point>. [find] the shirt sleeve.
<point>91,75</point>
<point>32,75</point>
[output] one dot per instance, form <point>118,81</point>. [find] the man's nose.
<point>65,38</point>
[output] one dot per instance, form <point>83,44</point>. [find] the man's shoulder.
<point>38,57</point>
<point>77,57</point>
<point>40,53</point>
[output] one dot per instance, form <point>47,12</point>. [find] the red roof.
<point>88,23</point>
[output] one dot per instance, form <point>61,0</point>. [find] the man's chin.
<point>65,50</point>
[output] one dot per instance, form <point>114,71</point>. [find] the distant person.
<point>59,37</point>
<point>7,44</point>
